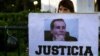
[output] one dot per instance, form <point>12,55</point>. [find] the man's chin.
<point>60,37</point>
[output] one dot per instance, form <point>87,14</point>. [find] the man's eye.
<point>58,27</point>
<point>63,27</point>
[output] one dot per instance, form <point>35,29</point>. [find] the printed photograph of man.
<point>58,32</point>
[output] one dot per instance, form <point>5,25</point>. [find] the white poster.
<point>63,34</point>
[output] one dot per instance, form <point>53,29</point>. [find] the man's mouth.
<point>60,34</point>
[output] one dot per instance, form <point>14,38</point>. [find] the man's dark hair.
<point>52,23</point>
<point>67,4</point>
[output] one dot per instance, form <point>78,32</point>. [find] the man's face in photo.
<point>59,30</point>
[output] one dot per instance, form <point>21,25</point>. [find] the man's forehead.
<point>59,23</point>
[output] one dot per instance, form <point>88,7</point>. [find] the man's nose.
<point>61,28</point>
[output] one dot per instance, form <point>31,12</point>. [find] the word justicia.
<point>60,50</point>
